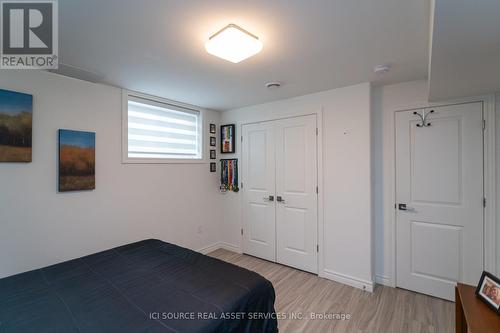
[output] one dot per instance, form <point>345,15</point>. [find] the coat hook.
<point>427,115</point>
<point>423,118</point>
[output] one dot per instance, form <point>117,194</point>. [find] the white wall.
<point>387,99</point>
<point>39,226</point>
<point>347,251</point>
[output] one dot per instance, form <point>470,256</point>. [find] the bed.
<point>148,286</point>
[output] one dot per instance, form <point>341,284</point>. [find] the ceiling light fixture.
<point>233,43</point>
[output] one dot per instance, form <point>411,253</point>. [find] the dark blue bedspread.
<point>148,286</point>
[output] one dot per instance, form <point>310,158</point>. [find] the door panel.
<point>296,219</point>
<point>436,158</point>
<point>440,242</point>
<point>258,178</point>
<point>296,181</point>
<point>439,175</point>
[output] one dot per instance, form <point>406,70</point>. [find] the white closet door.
<point>258,177</point>
<point>439,192</point>
<point>296,182</point>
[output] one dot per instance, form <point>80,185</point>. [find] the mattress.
<point>148,286</point>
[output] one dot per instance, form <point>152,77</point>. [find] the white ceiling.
<point>157,46</point>
<point>465,59</point>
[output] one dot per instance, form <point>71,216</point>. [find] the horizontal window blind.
<point>157,130</point>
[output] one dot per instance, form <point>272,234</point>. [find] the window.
<point>156,131</point>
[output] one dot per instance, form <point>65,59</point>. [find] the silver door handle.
<point>280,199</point>
<point>269,198</point>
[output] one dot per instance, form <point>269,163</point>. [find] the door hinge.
<point>242,138</point>
<point>317,131</point>
<point>241,184</point>
<point>317,247</point>
<point>317,190</point>
<point>484,125</point>
<point>484,202</point>
<point>242,231</point>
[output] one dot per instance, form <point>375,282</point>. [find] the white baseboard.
<point>220,245</point>
<point>348,280</point>
<point>383,280</point>
<point>209,248</point>
<point>230,247</point>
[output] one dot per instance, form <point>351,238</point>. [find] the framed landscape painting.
<point>16,114</point>
<point>76,160</point>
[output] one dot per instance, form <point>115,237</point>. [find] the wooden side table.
<point>471,314</point>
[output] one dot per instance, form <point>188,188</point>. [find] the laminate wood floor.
<point>385,310</point>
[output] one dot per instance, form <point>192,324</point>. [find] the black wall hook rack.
<point>423,117</point>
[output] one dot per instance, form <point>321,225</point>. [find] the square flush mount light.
<point>233,43</point>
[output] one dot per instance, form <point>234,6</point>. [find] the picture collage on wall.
<point>229,167</point>
<point>213,143</point>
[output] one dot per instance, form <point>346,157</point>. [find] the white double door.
<point>439,198</point>
<point>279,175</point>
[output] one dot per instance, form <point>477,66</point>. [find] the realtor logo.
<point>29,34</point>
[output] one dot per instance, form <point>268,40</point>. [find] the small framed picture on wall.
<point>213,167</point>
<point>227,139</point>
<point>212,128</point>
<point>212,154</point>
<point>213,141</point>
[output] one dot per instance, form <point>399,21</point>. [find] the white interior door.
<point>258,177</point>
<point>296,197</point>
<point>439,176</point>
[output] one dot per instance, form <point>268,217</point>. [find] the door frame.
<point>319,165</point>
<point>489,181</point>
